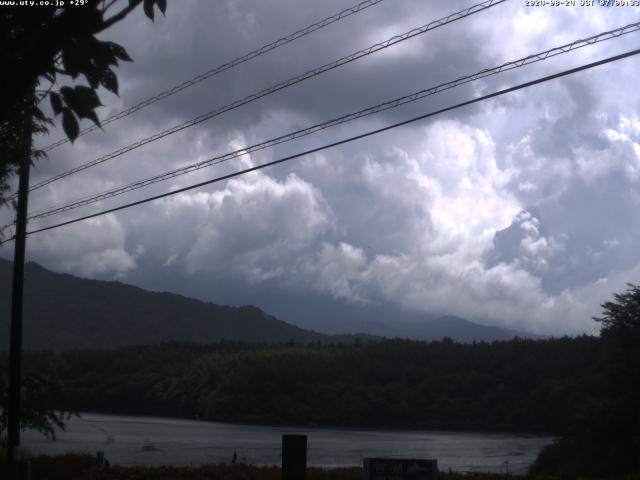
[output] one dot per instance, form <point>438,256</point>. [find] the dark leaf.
<point>56,103</point>
<point>38,154</point>
<point>70,124</point>
<point>93,117</point>
<point>93,77</point>
<point>71,62</point>
<point>38,115</point>
<point>76,56</point>
<point>81,99</point>
<point>88,97</point>
<point>109,81</point>
<point>162,5</point>
<point>148,8</point>
<point>102,54</point>
<point>66,91</point>
<point>119,52</point>
<point>68,95</point>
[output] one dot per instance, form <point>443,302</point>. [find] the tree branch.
<point>108,6</point>
<point>45,93</point>
<point>120,15</point>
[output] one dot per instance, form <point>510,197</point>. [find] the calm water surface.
<point>168,441</point>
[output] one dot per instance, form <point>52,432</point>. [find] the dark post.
<point>294,457</point>
<point>15,337</point>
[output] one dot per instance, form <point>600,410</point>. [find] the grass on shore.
<point>85,467</point>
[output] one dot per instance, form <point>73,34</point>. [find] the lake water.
<point>169,441</point>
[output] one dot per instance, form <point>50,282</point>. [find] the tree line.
<point>518,385</point>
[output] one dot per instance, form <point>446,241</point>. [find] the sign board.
<point>294,457</point>
<point>400,469</point>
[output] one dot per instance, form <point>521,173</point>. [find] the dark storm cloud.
<point>405,219</point>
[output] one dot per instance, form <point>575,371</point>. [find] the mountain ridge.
<point>64,312</point>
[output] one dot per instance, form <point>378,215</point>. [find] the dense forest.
<point>518,385</point>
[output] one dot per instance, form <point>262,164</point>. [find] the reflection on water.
<point>167,441</point>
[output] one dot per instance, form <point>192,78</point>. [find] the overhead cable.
<point>277,87</point>
<point>225,66</point>
<point>71,205</point>
<point>341,142</point>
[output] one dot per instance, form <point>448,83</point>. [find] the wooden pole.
<point>15,345</point>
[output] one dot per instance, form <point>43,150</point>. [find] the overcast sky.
<point>520,211</point>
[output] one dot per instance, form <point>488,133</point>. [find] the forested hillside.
<point>64,312</point>
<point>519,385</point>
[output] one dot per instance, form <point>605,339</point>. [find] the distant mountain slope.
<point>63,312</point>
<point>381,319</point>
<point>458,329</point>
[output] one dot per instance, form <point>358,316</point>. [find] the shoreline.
<point>372,429</point>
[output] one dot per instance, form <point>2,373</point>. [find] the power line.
<point>71,205</point>
<point>346,140</point>
<point>225,66</point>
<point>279,86</point>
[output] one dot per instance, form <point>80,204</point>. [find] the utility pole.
<point>15,345</point>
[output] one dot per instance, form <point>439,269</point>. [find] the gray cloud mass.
<point>520,211</point>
